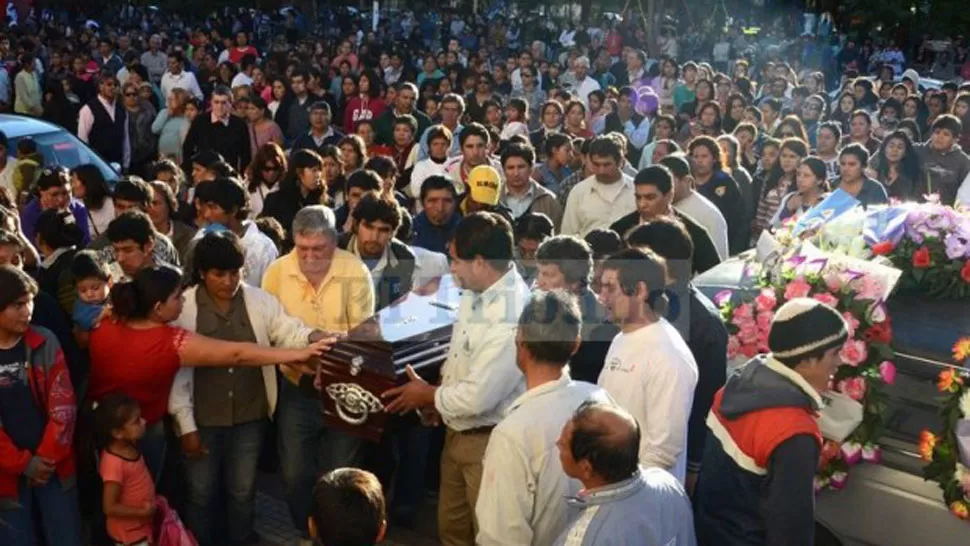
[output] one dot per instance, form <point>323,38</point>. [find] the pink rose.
<point>749,350</point>
<point>743,311</point>
<point>819,483</point>
<point>734,347</point>
<point>797,288</point>
<point>827,299</point>
<point>764,320</point>
<point>833,280</point>
<point>851,323</point>
<point>872,454</point>
<point>853,387</point>
<point>852,452</point>
<point>838,480</point>
<point>887,371</point>
<point>748,334</point>
<point>854,352</point>
<point>766,300</point>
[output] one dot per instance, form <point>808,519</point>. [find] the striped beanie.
<point>804,326</point>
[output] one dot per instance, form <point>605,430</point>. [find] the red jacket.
<point>50,383</point>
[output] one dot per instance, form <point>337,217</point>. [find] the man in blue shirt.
<point>434,226</point>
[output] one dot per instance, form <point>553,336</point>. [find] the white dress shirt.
<point>260,252</point>
<point>480,378</point>
<point>584,88</point>
<point>85,121</point>
<point>184,80</point>
<point>651,373</point>
<point>521,502</point>
<point>593,205</point>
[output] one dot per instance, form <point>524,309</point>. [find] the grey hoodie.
<point>943,172</point>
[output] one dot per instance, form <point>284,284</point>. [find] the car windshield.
<point>63,149</point>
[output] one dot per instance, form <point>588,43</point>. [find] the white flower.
<point>965,404</point>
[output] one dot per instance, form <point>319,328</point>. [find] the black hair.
<point>664,235</point>
<point>348,508</point>
<point>677,164</point>
<point>637,265</point>
<point>364,179</point>
<point>948,122</point>
<point>523,151</point>
<point>149,287</point>
<point>228,193</point>
<point>549,327</point>
<point>857,150</point>
<point>52,178</point>
<point>221,251</point>
<point>384,166</point>
<point>833,126</point>
<point>272,228</point>
<point>375,207</point>
<point>58,229</point>
<point>437,182</point>
<point>773,103</point>
<point>554,141</point>
<point>407,119</point>
<point>439,132</point>
<point>908,166</point>
<point>473,129</point>
<point>604,146</point>
<point>614,458</point>
<point>775,175</point>
<point>14,284</point>
<point>112,412</point>
<point>131,225</point>
<point>817,166</point>
<point>533,225</point>
<point>207,158</point>
<point>26,146</point>
<point>655,175</point>
<point>485,234</point>
<point>87,264</point>
<point>135,190</point>
<point>603,242</point>
<point>96,190</point>
<point>572,255</point>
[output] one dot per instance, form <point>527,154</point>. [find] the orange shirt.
<point>137,489</point>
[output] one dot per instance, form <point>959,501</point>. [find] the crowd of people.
<point>281,184</point>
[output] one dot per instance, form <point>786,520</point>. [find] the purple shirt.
<point>31,212</point>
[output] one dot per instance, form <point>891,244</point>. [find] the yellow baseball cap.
<point>484,185</point>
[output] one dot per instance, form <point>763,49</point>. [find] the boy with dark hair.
<point>348,509</point>
<point>761,456</point>
<point>945,167</point>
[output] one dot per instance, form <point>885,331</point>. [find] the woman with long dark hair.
<point>734,115</point>
<point>896,166</point>
<point>141,311</point>
<point>367,105</point>
<point>779,182</point>
<point>302,186</point>
<point>88,185</point>
<point>264,174</point>
<point>811,187</point>
<point>842,113</point>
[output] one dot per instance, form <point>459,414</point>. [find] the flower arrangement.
<point>867,355</point>
<point>933,251</point>
<point>948,454</point>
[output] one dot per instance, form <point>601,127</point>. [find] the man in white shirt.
<point>103,123</point>
<point>584,84</point>
<point>178,78</point>
<point>649,369</point>
<point>695,205</point>
<point>480,379</point>
<point>522,501</point>
<point>603,198</point>
<point>245,75</point>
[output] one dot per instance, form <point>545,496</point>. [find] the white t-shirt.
<point>707,214</point>
<point>651,373</point>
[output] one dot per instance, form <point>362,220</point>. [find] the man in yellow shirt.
<point>329,289</point>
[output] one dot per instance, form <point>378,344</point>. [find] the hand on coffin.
<point>305,360</point>
<point>430,288</point>
<point>414,394</point>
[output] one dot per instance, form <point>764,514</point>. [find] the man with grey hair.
<point>523,483</point>
<point>155,60</point>
<point>599,447</point>
<point>331,290</point>
<point>584,83</point>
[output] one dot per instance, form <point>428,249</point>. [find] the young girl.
<point>810,188</point>
<point>91,280</point>
<point>129,493</point>
<point>517,118</point>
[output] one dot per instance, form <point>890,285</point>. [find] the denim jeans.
<point>308,449</point>
<point>60,517</point>
<point>152,446</point>
<point>225,476</point>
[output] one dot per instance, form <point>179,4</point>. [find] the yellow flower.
<point>961,350</point>
<point>927,442</point>
<point>960,509</point>
<point>949,380</point>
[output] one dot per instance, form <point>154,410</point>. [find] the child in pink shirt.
<point>129,493</point>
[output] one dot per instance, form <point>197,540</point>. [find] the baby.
<point>91,280</point>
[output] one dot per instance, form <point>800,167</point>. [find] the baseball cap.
<point>484,185</point>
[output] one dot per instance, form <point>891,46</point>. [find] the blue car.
<point>58,146</point>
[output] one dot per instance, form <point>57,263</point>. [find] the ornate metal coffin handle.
<point>354,404</point>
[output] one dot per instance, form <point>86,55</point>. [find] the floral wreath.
<point>867,354</point>
<point>948,454</point>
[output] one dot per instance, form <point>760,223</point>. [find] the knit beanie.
<point>804,326</point>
